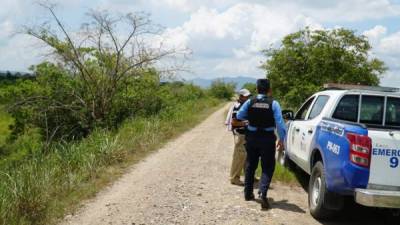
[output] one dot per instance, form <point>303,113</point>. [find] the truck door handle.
<point>297,129</point>
<point>310,131</point>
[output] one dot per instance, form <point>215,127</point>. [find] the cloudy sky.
<point>226,36</point>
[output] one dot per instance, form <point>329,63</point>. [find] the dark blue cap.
<point>263,84</point>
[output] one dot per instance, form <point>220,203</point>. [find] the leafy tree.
<point>54,102</point>
<point>222,90</point>
<point>101,75</point>
<point>307,59</point>
<point>107,50</point>
<point>252,87</point>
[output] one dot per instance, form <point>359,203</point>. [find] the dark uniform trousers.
<point>259,145</point>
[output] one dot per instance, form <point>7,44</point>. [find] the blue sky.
<point>225,36</point>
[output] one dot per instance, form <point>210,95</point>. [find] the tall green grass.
<point>5,122</point>
<point>284,175</point>
<point>281,174</point>
<point>47,184</point>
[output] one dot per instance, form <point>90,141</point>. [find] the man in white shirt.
<point>238,129</point>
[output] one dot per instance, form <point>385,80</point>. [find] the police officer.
<point>238,129</point>
<point>264,115</point>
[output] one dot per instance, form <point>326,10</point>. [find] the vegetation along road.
<point>186,182</point>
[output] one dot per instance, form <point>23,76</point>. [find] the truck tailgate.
<point>385,160</point>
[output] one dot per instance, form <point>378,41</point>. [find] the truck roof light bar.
<point>333,86</point>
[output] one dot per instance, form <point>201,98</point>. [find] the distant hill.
<point>9,77</point>
<point>4,73</point>
<point>206,83</point>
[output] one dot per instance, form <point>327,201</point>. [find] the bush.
<point>45,105</point>
<point>56,102</point>
<point>5,122</point>
<point>176,92</point>
<point>252,87</point>
<point>23,147</point>
<point>220,89</point>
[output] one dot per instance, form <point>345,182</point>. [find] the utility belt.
<point>259,132</point>
<point>239,130</point>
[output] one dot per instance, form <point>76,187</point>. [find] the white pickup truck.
<point>348,139</point>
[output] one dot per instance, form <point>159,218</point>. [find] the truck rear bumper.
<point>378,198</point>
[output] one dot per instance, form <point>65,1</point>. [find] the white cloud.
<point>7,29</point>
<point>243,29</point>
<point>386,47</point>
<point>248,66</point>
<point>338,10</point>
<point>354,10</point>
<point>179,4</point>
<point>12,7</point>
<point>234,37</point>
<point>375,33</point>
<point>175,38</point>
<point>389,45</point>
<point>20,53</point>
<point>388,50</point>
<point>209,23</point>
<point>323,11</point>
<point>391,78</point>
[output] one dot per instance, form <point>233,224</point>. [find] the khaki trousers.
<point>239,157</point>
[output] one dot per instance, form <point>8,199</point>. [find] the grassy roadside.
<point>284,175</point>
<point>45,187</point>
<point>281,174</point>
<point>5,122</point>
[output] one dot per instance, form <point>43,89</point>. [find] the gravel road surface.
<point>186,182</point>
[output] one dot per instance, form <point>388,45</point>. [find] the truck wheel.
<point>318,193</point>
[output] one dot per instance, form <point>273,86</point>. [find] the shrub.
<point>99,77</point>
<point>56,103</point>
<point>252,87</point>
<point>220,89</point>
<point>23,147</point>
<point>5,122</point>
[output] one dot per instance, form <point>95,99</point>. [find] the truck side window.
<point>372,110</point>
<point>318,106</point>
<point>301,114</point>
<point>347,109</point>
<point>393,111</point>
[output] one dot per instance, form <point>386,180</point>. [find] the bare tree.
<point>104,52</point>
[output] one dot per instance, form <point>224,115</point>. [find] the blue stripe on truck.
<point>342,176</point>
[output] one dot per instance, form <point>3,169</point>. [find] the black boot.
<point>249,196</point>
<point>264,202</point>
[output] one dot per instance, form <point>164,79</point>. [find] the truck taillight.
<point>360,149</point>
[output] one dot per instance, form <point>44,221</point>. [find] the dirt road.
<point>186,182</point>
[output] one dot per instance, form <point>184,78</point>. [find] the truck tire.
<point>318,193</point>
